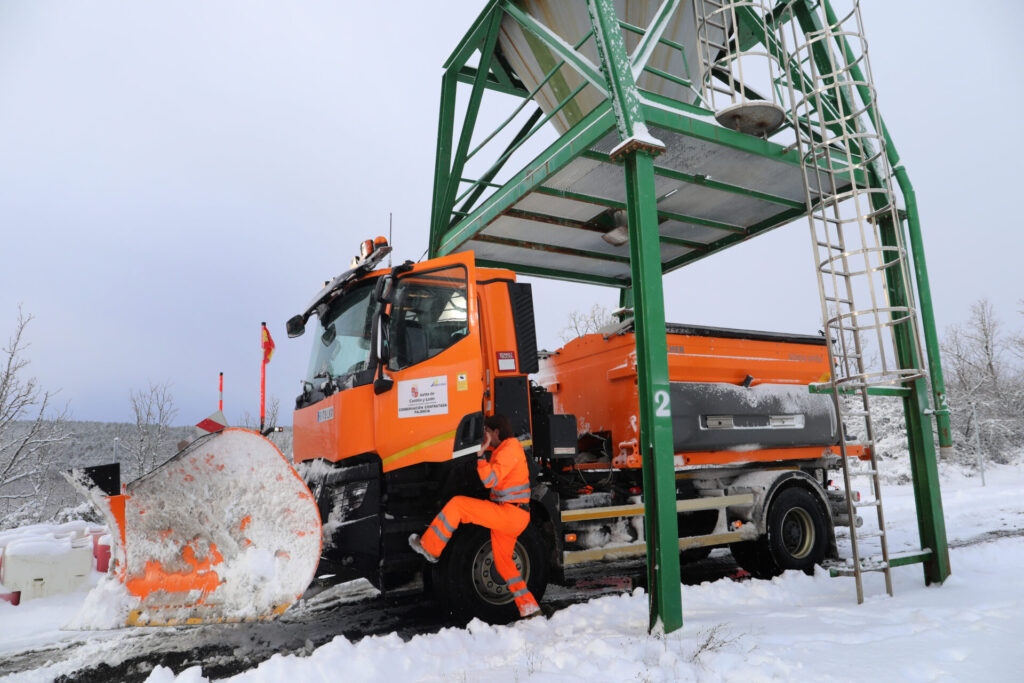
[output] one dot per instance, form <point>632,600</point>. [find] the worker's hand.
<point>486,444</point>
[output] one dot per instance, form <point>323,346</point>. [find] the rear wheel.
<point>796,537</point>
<point>468,584</point>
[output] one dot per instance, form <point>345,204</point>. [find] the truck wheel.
<point>796,537</point>
<point>468,585</point>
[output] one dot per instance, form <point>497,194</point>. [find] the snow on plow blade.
<point>225,530</point>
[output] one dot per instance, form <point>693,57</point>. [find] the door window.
<point>429,315</point>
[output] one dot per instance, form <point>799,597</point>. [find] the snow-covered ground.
<point>793,627</point>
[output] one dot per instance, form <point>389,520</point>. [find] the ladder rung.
<point>868,504</point>
<point>865,566</point>
<point>873,533</point>
<point>862,473</point>
<point>906,557</point>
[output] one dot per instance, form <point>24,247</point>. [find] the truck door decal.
<point>424,396</point>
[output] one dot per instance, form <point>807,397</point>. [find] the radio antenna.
<point>390,221</point>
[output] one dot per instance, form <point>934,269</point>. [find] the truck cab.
<point>407,361</point>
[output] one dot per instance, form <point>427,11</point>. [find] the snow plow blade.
<point>224,531</point>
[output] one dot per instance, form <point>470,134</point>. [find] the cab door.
<point>434,360</point>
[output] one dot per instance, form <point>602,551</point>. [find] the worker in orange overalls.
<point>506,514</point>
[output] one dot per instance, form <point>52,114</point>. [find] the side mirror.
<point>385,288</point>
<point>295,326</point>
<point>382,384</point>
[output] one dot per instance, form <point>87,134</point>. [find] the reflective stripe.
<point>491,480</point>
<point>523,497</point>
<point>438,534</point>
<point>514,579</point>
<point>517,493</point>
<point>513,489</point>
<point>444,520</point>
<point>521,592</point>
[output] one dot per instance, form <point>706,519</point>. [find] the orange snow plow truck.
<point>406,362</point>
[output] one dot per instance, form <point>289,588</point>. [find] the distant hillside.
<point>94,443</point>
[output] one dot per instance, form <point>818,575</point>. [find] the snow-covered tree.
<point>982,379</point>
<point>149,438</point>
<point>29,429</point>
<point>580,323</point>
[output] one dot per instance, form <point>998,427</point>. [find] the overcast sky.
<point>174,173</point>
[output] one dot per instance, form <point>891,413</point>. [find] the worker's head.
<point>500,424</point>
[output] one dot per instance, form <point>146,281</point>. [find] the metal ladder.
<point>848,188</point>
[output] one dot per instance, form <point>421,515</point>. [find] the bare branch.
<point>29,427</point>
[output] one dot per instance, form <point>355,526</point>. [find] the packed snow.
<point>793,627</point>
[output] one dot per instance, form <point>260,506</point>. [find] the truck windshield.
<point>343,347</point>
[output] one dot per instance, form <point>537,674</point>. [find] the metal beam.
<point>662,214</point>
<point>588,131</point>
<point>468,74</point>
<point>549,248</point>
<point>587,69</point>
<point>538,271</point>
<point>706,182</point>
<point>649,41</point>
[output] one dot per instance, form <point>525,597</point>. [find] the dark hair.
<point>502,424</point>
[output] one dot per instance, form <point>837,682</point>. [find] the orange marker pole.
<point>220,403</point>
<point>263,376</point>
<point>268,351</point>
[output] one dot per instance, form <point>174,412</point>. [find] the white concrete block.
<point>43,566</point>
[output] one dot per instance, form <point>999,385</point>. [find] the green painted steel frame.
<point>656,449</point>
<point>629,111</point>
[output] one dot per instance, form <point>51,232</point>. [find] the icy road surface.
<point>793,627</point>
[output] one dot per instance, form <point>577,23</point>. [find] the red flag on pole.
<point>268,345</point>
<point>268,351</point>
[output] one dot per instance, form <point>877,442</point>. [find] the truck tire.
<point>796,537</point>
<point>466,583</point>
<point>797,530</point>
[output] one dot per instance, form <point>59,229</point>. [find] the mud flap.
<point>225,530</point>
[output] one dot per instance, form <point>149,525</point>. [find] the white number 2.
<point>661,399</point>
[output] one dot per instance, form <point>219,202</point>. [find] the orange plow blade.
<point>224,531</point>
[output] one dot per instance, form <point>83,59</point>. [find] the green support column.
<point>637,152</point>
<point>931,524</point>
<point>626,297</point>
<point>656,441</point>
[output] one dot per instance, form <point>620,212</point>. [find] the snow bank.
<point>792,627</point>
<point>106,606</point>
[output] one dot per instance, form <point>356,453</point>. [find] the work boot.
<point>414,543</point>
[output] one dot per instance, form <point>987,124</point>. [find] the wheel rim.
<point>487,580</point>
<point>798,532</point>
